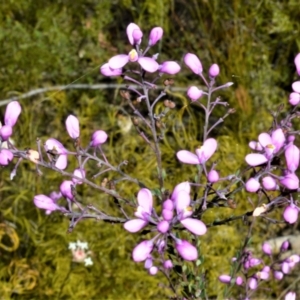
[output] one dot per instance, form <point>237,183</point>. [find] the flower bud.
<point>163,226</point>
<point>167,214</point>
<point>168,204</point>
<point>214,71</point>
<point>193,62</point>
<point>269,183</point>
<point>129,30</point>
<point>278,275</point>
<point>137,35</point>
<point>290,181</point>
<point>169,67</point>
<point>66,189</point>
<point>225,278</point>
<point>252,283</point>
<point>294,98</point>
<point>5,132</point>
<point>72,125</point>
<point>292,156</point>
<point>213,176</point>
<point>290,214</point>
<point>168,264</point>
<point>284,246</point>
<point>295,87</point>
<point>78,173</point>
<point>153,270</point>
<point>194,93</point>
<point>252,185</point>
<point>266,248</point>
<point>156,34</point>
<point>297,63</point>
<point>239,280</point>
<point>13,110</point>
<point>99,137</point>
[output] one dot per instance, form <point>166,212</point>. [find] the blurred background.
<point>45,44</point>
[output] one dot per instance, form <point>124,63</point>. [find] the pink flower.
<point>214,70</point>
<point>278,275</point>
<point>6,157</point>
<point>193,62</point>
<point>186,250</point>
<point>13,110</point>
<point>168,264</point>
<point>252,283</point>
<point>169,67</point>
<point>194,93</point>
<point>107,71</point>
<point>72,125</point>
<point>163,226</point>
<point>291,295</point>
<point>181,186</point>
<point>239,280</point>
<point>153,270</point>
<point>266,248</point>
<point>184,211</point>
<point>142,251</point>
<point>120,60</point>
<point>78,173</point>
<point>44,202</point>
<point>202,154</point>
<point>156,34</point>
<point>292,156</point>
<point>290,214</point>
<point>269,183</point>
<point>144,211</point>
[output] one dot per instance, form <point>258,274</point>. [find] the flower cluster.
<point>175,211</point>
<point>253,278</point>
<point>115,65</point>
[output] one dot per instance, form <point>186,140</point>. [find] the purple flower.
<point>214,71</point>
<point>292,156</point>
<point>297,63</point>
<point>168,264</point>
<point>181,186</point>
<point>169,67</point>
<point>290,214</point>
<point>156,34</point>
<point>278,275</point>
<point>45,202</point>
<point>163,226</point>
<point>271,145</point>
<point>202,154</point>
<point>194,93</point>
<point>72,125</point>
<point>6,157</point>
<point>284,246</point>
<point>252,283</point>
<point>186,250</point>
<point>99,137</point>
<point>142,251</point>
<point>144,211</point>
<point>107,71</point>
<point>182,205</point>
<point>13,110</point>
<point>193,62</point>
<point>120,60</point>
<point>296,87</point>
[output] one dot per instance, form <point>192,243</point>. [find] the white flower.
<point>72,246</point>
<point>88,262</point>
<point>82,245</point>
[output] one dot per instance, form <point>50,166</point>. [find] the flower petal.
<point>296,86</point>
<point>265,139</point>
<point>148,64</point>
<point>255,159</point>
<point>107,71</point>
<point>193,62</point>
<point>182,201</point>
<point>194,226</point>
<point>135,225</point>
<point>61,162</point>
<point>187,157</point>
<point>129,30</point>
<point>145,200</point>
<point>118,61</point>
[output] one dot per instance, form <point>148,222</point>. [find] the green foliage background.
<point>46,43</point>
